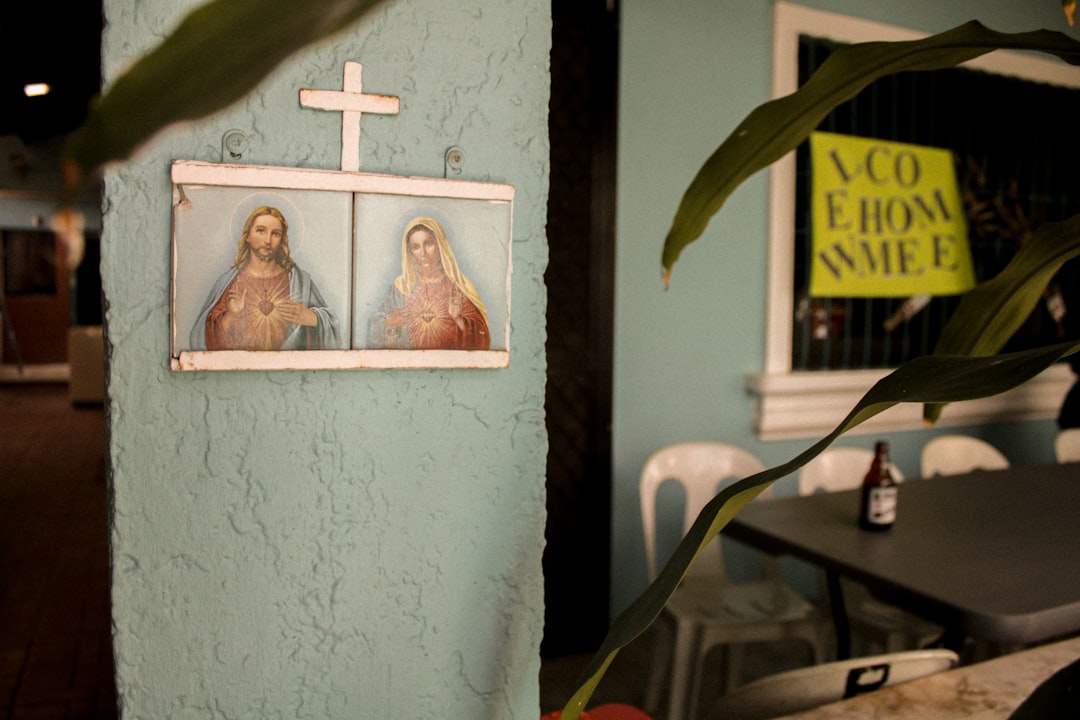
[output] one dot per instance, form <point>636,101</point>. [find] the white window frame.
<point>797,404</point>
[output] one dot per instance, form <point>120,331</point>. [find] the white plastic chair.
<point>708,610</point>
<point>874,623</point>
<point>959,454</point>
<point>807,688</point>
<point>1067,445</point>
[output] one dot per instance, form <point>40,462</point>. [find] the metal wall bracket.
<point>453,160</point>
<point>233,145</point>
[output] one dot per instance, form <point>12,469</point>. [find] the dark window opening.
<point>1016,166</point>
<point>29,262</point>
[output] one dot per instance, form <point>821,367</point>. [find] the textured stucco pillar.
<point>345,544</point>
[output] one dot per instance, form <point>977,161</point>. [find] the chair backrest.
<point>1067,445</point>
<point>958,454</point>
<point>809,687</point>
<point>838,468</point>
<point>702,469</point>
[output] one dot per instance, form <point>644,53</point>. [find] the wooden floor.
<point>55,643</point>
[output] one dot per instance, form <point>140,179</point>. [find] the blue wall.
<point>334,544</point>
<point>690,71</point>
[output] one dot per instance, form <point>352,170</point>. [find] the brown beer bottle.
<point>878,508</point>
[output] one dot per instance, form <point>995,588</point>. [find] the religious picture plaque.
<point>280,268</point>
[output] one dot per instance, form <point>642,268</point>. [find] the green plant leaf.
<point>927,379</point>
<point>990,313</point>
<point>217,54</point>
<point>775,128</point>
<point>1056,697</point>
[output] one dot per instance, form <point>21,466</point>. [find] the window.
<point>821,354</point>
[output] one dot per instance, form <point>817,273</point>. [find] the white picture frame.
<point>346,235</point>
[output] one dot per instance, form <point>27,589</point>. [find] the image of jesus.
<point>431,305</point>
<point>264,301</point>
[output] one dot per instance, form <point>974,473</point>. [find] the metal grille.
<point>1014,145</point>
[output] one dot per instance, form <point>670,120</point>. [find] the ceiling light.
<point>36,89</point>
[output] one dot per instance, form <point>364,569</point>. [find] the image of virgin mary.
<point>431,305</point>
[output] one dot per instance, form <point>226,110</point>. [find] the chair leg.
<point>818,641</point>
<point>734,673</point>
<point>725,680</point>
<point>684,649</point>
<point>659,672</point>
<point>820,647</point>
<point>694,691</point>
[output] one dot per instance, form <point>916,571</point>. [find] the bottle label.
<point>882,506</point>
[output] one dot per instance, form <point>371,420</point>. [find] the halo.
<point>414,212</point>
<point>288,208</point>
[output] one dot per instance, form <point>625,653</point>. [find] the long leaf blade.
<point>926,379</point>
<point>777,127</point>
<point>991,312</point>
<point>217,54</point>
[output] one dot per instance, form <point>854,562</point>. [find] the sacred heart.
<point>266,307</point>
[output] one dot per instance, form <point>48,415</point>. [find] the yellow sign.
<point>887,220</point>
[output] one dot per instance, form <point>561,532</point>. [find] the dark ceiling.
<point>58,44</point>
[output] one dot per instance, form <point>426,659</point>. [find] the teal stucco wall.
<point>689,72</point>
<point>348,544</point>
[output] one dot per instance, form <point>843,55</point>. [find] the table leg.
<point>952,639</point>
<point>839,615</point>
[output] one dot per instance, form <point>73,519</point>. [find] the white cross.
<point>351,103</point>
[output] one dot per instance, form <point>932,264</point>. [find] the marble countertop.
<point>989,690</point>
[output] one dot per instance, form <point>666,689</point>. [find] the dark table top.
<point>993,554</point>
